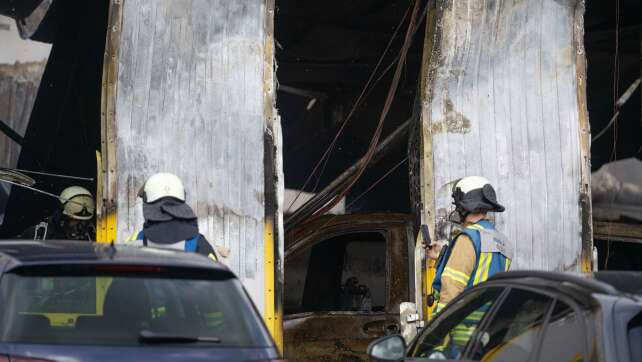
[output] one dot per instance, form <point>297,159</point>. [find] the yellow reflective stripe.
<point>489,258</point>
<point>474,318</point>
<point>475,227</point>
<point>132,237</point>
<point>214,319</point>
<point>440,306</point>
<point>480,265</point>
<point>458,273</point>
<point>507,263</point>
<point>212,256</point>
<point>456,276</point>
<point>461,334</point>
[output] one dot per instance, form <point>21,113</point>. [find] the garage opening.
<point>49,106</point>
<point>336,62</point>
<point>336,66</point>
<point>612,40</point>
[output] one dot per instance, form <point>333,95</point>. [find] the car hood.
<point>67,353</point>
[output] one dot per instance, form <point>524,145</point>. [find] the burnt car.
<point>532,316</point>
<point>345,277</point>
<point>80,301</point>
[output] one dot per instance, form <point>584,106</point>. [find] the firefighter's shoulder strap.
<point>492,241</point>
<point>190,245</point>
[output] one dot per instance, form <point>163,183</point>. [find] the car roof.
<point>615,283</point>
<point>17,253</point>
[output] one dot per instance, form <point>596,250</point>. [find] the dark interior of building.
<point>612,41</point>
<point>326,52</point>
<point>63,134</point>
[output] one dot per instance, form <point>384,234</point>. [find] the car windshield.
<point>119,305</point>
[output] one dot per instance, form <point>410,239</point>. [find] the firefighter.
<point>476,253</point>
<point>169,221</point>
<point>72,220</point>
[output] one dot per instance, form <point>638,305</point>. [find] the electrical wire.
<point>57,197</point>
<point>616,76</point>
<point>377,182</point>
<point>391,94</point>
<point>372,186</point>
<point>620,102</point>
<point>55,175</point>
<point>616,80</point>
<point>354,107</point>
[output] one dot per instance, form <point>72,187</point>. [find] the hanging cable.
<point>388,173</point>
<point>55,175</point>
<point>356,105</point>
<point>57,197</point>
<point>618,105</point>
<point>391,94</point>
<point>614,120</point>
<point>616,80</point>
<point>377,182</point>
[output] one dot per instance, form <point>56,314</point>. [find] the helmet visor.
<point>80,207</point>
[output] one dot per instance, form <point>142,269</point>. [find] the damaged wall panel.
<point>18,88</point>
<point>190,101</point>
<point>504,99</point>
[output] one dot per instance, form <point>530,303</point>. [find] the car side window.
<point>564,339</point>
<point>514,331</point>
<point>448,335</point>
<point>343,273</point>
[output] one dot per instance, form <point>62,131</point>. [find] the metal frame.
<point>425,270</point>
<point>106,160</point>
<point>273,173</point>
<point>586,261</point>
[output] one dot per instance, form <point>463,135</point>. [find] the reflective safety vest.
<point>190,245</point>
<point>493,255</point>
<point>492,251</point>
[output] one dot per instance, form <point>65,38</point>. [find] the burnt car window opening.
<point>123,309</point>
<point>514,331</point>
<point>344,273</point>
<point>563,338</point>
<point>447,337</point>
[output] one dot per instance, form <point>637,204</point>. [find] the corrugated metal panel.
<point>190,101</point>
<point>18,90</point>
<point>503,103</point>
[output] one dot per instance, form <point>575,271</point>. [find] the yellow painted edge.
<point>272,314</point>
<point>429,277</point>
<point>102,224</point>
<point>106,228</point>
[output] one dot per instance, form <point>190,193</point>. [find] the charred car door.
<point>344,280</point>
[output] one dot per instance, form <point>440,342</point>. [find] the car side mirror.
<point>388,348</point>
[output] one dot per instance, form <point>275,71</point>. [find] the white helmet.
<point>162,185</point>
<point>77,203</point>
<point>475,193</point>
